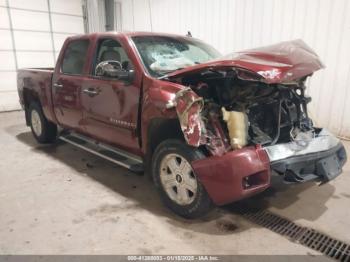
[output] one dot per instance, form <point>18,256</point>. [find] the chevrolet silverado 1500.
<point>209,129</point>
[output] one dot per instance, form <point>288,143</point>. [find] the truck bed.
<point>37,83</point>
<point>37,73</point>
<point>51,69</point>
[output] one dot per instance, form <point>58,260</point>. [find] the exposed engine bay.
<point>228,111</point>
<point>247,112</point>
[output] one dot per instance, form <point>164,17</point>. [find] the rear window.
<point>74,57</point>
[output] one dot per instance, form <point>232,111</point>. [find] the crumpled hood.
<point>279,63</point>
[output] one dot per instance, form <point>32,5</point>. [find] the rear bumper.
<point>242,173</point>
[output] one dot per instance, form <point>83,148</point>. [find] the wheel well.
<point>162,129</point>
<point>159,130</point>
<point>29,96</point>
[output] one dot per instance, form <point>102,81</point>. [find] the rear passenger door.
<point>111,105</point>
<point>67,82</point>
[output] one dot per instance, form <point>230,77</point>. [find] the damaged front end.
<point>319,158</point>
<point>249,121</point>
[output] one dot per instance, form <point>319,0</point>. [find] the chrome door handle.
<point>91,92</point>
<point>56,85</point>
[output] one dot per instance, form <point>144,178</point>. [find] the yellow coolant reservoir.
<point>237,125</point>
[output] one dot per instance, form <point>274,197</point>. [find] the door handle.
<point>91,92</point>
<point>57,85</point>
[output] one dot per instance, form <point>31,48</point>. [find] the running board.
<point>113,154</point>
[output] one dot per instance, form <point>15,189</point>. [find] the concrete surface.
<point>57,199</point>
<point>9,99</point>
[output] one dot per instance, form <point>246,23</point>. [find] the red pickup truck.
<point>209,129</point>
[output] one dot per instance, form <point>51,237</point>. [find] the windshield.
<point>164,54</point>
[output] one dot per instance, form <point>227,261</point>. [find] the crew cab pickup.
<point>209,129</point>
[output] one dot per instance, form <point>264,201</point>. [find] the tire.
<point>179,187</point>
<point>44,131</point>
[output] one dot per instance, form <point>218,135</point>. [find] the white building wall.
<point>232,25</point>
<point>31,35</point>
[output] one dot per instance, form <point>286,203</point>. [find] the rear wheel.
<point>43,130</point>
<point>179,187</point>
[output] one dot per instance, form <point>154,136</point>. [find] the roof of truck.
<point>126,34</point>
<point>141,33</point>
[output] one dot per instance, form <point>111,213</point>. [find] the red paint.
<point>111,116</point>
<point>219,143</point>
<point>156,94</point>
<point>222,175</point>
<point>188,108</point>
<point>277,63</point>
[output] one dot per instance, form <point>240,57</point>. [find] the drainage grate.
<point>311,238</point>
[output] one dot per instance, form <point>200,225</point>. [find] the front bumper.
<point>321,166</point>
<point>320,159</point>
<point>245,172</point>
<point>236,175</point>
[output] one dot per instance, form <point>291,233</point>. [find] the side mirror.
<point>113,69</point>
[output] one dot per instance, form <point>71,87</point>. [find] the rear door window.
<point>74,57</point>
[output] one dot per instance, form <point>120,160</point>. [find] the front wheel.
<point>178,185</point>
<point>43,130</point>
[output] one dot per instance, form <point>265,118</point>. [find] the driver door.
<point>110,105</point>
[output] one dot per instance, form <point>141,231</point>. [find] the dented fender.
<point>188,108</point>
